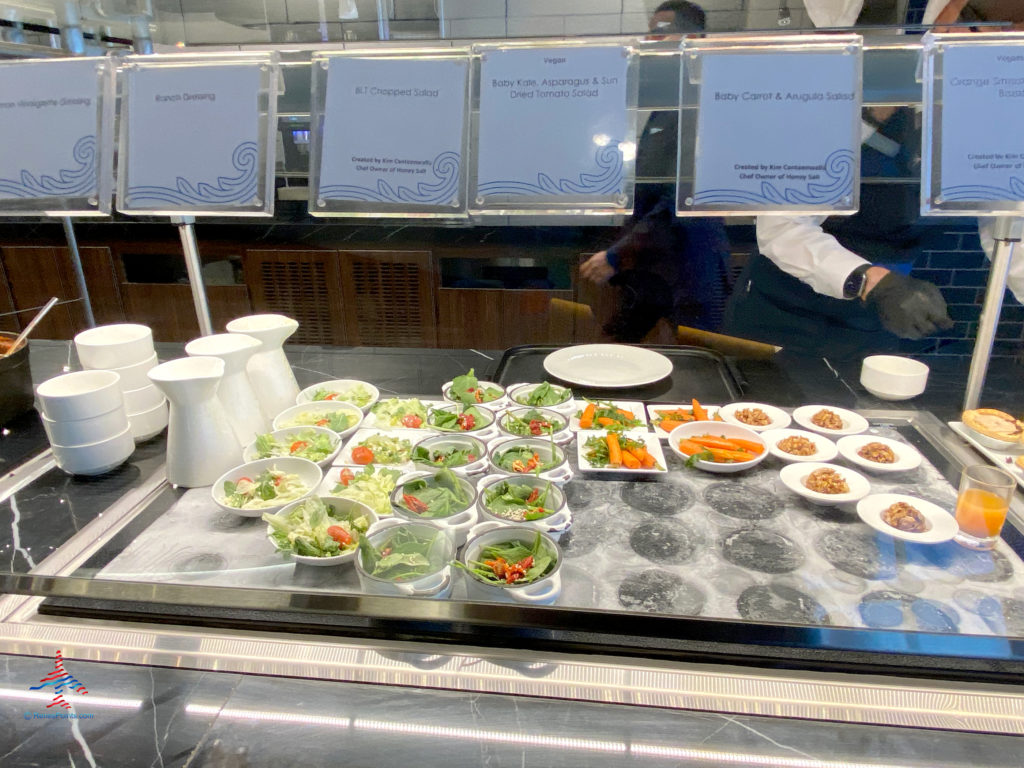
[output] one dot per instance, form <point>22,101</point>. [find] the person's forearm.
<point>1015,278</point>
<point>799,247</point>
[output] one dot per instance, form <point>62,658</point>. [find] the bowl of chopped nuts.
<point>879,454</point>
<point>791,445</point>
<point>825,484</point>
<point>907,518</point>
<point>830,420</point>
<point>759,417</point>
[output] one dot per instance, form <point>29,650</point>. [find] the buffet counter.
<point>687,591</point>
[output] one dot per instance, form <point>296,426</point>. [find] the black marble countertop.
<point>159,717</point>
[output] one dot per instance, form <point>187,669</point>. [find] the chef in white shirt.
<point>842,284</point>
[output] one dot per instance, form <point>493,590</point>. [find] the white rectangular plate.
<point>999,458</point>
<point>636,408</point>
<point>650,440</point>
<point>652,416</point>
<point>412,435</point>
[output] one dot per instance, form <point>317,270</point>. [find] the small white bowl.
<point>342,386</point>
<point>827,450</point>
<point>891,377</point>
<point>780,419</point>
<point>993,443</point>
<point>143,399</point>
<point>149,424</point>
<point>95,458</point>
<point>717,428</point>
<point>457,525</point>
<point>943,525</point>
<point>436,583</point>
<point>114,346</point>
<point>134,376</point>
<point>518,394</point>
<point>561,436</point>
<point>290,434</point>
<point>285,418</point>
<point>309,474</point>
<point>500,402</point>
<point>483,426</point>
<point>554,525</point>
<point>561,472</point>
<point>543,591</point>
<point>80,395</point>
<point>793,476</point>
<point>459,440</point>
<point>853,423</point>
<point>85,431</point>
<point>907,457</point>
<point>348,508</point>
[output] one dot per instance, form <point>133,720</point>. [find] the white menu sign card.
<point>982,145</point>
<point>193,140</point>
<point>51,121</point>
<point>777,131</point>
<point>554,126</point>
<point>393,133</point>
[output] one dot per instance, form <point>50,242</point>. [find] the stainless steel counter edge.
<point>638,682</point>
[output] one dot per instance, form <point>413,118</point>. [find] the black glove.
<point>908,307</point>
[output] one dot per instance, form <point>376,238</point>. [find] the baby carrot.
<point>642,455</point>
<point>747,445</point>
<point>718,417</point>
<point>604,421</point>
<point>668,425</point>
<point>630,461</point>
<point>627,414</point>
<point>587,419</point>
<point>721,455</point>
<point>689,447</point>
<point>698,411</point>
<point>614,450</point>
<point>710,441</point>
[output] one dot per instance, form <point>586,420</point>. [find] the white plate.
<point>309,473</point>
<point>607,365</point>
<point>650,440</point>
<point>652,413</point>
<point>907,457</point>
<point>943,524</point>
<point>284,419</point>
<point>342,386</point>
<point>853,423</point>
<point>373,422</point>
<point>412,435</point>
<point>827,450</point>
<point>636,408</point>
<point>793,476</point>
<point>780,419</point>
<point>1001,459</point>
<point>718,429</point>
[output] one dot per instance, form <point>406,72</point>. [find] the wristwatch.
<point>854,285</point>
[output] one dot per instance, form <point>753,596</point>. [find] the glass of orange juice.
<point>981,507</point>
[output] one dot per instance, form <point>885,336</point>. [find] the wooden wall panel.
<point>168,309</point>
<point>389,298</point>
<point>36,274</point>
<point>494,318</point>
<point>8,318</point>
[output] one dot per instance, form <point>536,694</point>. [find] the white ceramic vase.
<point>235,392</point>
<point>201,443</point>
<point>269,371</point>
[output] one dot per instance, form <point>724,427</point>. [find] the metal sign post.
<point>76,264</point>
<point>194,265</point>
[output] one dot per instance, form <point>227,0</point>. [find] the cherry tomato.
<point>533,496</point>
<point>323,422</point>
<point>298,445</point>
<point>244,480</point>
<point>340,535</point>
<point>346,477</point>
<point>466,421</point>
<point>412,421</point>
<point>331,396</point>
<point>362,455</point>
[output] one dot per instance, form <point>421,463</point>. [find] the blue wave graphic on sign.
<point>838,168</point>
<point>982,192</point>
<point>79,181</point>
<point>607,181</point>
<point>445,170</point>
<point>226,190</point>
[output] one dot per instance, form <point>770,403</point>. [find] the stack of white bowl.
<point>127,350</point>
<point>85,418</point>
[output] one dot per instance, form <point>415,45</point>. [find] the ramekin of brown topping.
<point>753,416</point>
<point>826,480</point>
<point>879,453</point>
<point>827,419</point>
<point>798,445</point>
<point>904,517</point>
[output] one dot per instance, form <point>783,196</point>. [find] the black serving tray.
<point>696,373</point>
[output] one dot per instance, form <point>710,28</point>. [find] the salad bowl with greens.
<point>510,563</point>
<point>530,456</point>
<point>266,485</point>
<point>341,418</point>
<point>399,413</point>
<point>536,422</point>
<point>463,419</point>
<point>318,444</point>
<point>463,454</point>
<point>525,501</point>
<point>468,390</point>
<point>370,485</point>
<point>543,395</point>
<point>319,530</point>
<point>405,558</point>
<point>442,498</point>
<point>361,394</point>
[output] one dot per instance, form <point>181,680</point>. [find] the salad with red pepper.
<point>455,419</point>
<point>434,497</point>
<point>408,414</point>
<point>467,389</point>
<point>316,528</point>
<point>512,562</point>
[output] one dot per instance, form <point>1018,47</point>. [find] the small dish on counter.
<point>342,418</point>
<point>543,395</point>
<point>625,414</point>
<point>535,422</point>
<point>469,390</point>
<point>591,446</point>
<point>879,454</point>
<point>938,524</point>
<point>302,442</point>
<point>461,419</point>
<point>830,420</point>
<point>297,533</point>
<point>759,417</point>
<point>796,476</point>
<point>799,440</point>
<point>462,454</point>
<point>383,447</point>
<point>267,485</point>
<point>502,562</point>
<point>532,456</point>
<point>674,414</point>
<point>995,429</point>
<point>684,434</point>
<point>361,394</point>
